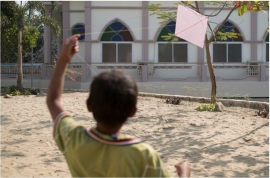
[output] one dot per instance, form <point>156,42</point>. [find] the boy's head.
<point>113,98</point>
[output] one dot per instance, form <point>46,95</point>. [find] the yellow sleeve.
<point>155,167</point>
<point>63,129</point>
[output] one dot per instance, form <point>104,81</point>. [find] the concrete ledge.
<point>225,102</point>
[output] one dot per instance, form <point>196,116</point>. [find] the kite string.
<point>139,29</point>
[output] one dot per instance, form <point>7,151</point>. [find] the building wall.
<point>263,24</point>
<point>117,3</point>
<point>130,13</point>
<point>130,17</point>
<point>76,5</point>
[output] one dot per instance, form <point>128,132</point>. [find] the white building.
<point>123,35</point>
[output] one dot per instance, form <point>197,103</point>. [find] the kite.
<point>191,26</point>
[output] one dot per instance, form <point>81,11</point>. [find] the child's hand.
<point>70,48</point>
<point>182,169</point>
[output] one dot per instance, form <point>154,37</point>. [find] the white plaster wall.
<point>117,3</point>
<point>165,3</point>
<point>263,24</point>
<point>76,5</point>
<point>131,17</point>
<point>261,52</point>
<point>137,52</point>
<point>246,48</point>
<point>76,17</point>
<point>96,53</point>
<point>217,5</point>
<point>153,27</point>
<point>80,56</point>
<point>253,89</point>
<point>151,52</point>
<point>243,23</point>
<point>192,53</point>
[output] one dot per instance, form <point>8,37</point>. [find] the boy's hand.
<point>70,48</point>
<point>182,169</point>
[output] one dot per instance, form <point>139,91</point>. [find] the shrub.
<point>27,92</point>
<point>15,93</point>
<point>12,88</point>
<point>206,107</point>
<point>6,90</point>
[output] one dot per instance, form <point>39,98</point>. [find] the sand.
<point>233,143</point>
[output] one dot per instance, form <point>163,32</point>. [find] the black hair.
<point>113,98</point>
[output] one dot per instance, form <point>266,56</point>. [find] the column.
<point>47,47</point>
<point>87,40</point>
<point>253,33</point>
<point>144,31</point>
<point>144,40</point>
<point>200,51</point>
<point>65,18</point>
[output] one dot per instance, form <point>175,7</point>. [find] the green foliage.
<point>9,42</point>
<point>223,36</point>
<point>8,9</point>
<point>167,16</point>
<point>12,90</point>
<point>16,93</point>
<point>29,38</point>
<point>254,6</point>
<point>31,13</point>
<point>6,90</point>
<point>206,107</point>
<point>9,89</point>
<point>27,92</point>
<point>246,97</point>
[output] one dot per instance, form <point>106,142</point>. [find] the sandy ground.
<point>214,143</point>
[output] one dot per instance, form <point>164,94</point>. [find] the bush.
<point>27,92</point>
<point>206,107</point>
<point>6,90</point>
<point>12,90</point>
<point>15,93</point>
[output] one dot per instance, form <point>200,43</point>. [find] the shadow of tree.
<point>196,148</point>
<point>8,153</point>
<point>5,120</point>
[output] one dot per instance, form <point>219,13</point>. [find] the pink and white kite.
<point>191,26</point>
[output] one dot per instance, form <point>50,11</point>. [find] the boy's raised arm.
<point>69,48</point>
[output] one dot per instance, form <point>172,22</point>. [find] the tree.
<point>241,6</point>
<point>25,17</point>
<point>9,42</point>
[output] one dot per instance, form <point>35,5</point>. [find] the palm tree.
<point>32,13</point>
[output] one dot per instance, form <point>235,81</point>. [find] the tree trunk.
<point>19,62</point>
<point>211,71</point>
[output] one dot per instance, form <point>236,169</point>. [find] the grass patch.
<point>206,107</point>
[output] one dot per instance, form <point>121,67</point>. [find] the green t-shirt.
<point>90,153</point>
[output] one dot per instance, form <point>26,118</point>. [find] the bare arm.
<point>69,48</point>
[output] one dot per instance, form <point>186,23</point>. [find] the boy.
<point>102,151</point>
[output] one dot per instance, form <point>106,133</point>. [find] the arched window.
<point>171,52</point>
<point>228,49</point>
<point>267,48</point>
<point>116,43</point>
<point>79,29</point>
